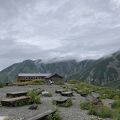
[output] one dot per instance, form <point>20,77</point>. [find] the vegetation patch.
<point>116,114</point>
<point>97,110</point>
<point>73,81</point>
<point>68,103</point>
<point>85,105</point>
<point>105,92</point>
<point>40,82</point>
<point>100,111</point>
<point>116,104</point>
<point>34,97</point>
<point>50,94</point>
<point>54,116</point>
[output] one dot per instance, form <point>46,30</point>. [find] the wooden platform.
<point>42,116</point>
<point>67,94</point>
<point>16,94</point>
<point>13,102</point>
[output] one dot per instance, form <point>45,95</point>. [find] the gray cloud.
<point>47,29</point>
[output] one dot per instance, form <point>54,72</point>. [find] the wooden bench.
<point>58,101</point>
<point>42,116</point>
<point>82,93</point>
<point>16,94</point>
<point>13,102</point>
<point>59,91</point>
<point>67,94</point>
<point>74,89</point>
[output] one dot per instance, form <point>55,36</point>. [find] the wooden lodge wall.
<point>28,78</point>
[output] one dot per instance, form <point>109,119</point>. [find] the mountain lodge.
<point>26,77</point>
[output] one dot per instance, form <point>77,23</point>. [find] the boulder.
<point>94,98</point>
<point>108,102</point>
<point>95,95</point>
<point>33,107</point>
<point>46,94</point>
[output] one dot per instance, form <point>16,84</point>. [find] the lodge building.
<point>25,77</point>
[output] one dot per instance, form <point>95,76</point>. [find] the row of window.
<point>29,78</point>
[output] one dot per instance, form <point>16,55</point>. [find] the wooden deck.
<point>13,102</point>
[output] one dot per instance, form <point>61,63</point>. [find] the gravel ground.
<point>74,112</point>
<point>19,113</point>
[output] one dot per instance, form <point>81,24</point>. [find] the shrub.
<point>73,81</point>
<point>34,97</point>
<point>116,104</point>
<point>100,111</point>
<point>68,103</point>
<point>49,94</point>
<point>40,82</point>
<point>92,111</point>
<point>105,92</point>
<point>85,105</point>
<point>54,116</point>
<point>116,115</point>
<point>83,92</point>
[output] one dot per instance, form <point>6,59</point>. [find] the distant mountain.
<point>104,71</point>
<point>63,68</point>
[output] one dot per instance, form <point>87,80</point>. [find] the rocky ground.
<point>19,113</point>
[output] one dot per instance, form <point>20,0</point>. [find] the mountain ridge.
<point>103,71</point>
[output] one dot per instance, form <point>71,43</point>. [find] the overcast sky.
<point>47,29</point>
